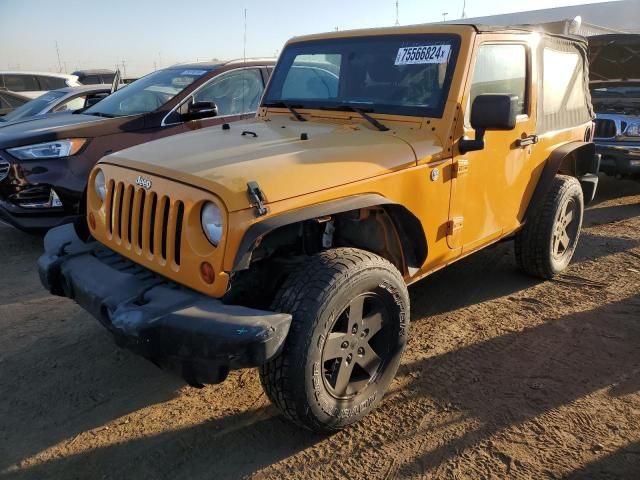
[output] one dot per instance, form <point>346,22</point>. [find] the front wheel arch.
<point>411,238</point>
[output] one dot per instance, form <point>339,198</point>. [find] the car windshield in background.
<point>616,91</point>
<point>146,94</point>
<point>34,107</point>
<point>399,74</point>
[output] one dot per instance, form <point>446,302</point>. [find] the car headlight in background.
<point>212,222</point>
<point>632,130</point>
<point>100,185</point>
<point>56,149</point>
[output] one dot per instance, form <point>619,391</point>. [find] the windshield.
<point>399,74</point>
<point>34,107</point>
<point>146,94</point>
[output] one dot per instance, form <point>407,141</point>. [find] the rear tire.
<point>546,244</point>
<point>350,323</point>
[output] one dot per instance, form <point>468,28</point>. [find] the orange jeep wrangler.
<point>287,242</point>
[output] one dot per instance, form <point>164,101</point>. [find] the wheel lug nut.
<point>344,345</point>
<point>349,358</point>
<point>361,351</point>
<point>354,329</point>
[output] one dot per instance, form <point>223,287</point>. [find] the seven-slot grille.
<point>4,169</point>
<point>605,128</point>
<point>145,222</point>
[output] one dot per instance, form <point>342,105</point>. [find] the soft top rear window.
<point>391,74</point>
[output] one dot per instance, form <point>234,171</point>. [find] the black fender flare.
<point>410,231</point>
<point>578,159</point>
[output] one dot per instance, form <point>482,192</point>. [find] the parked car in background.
<point>45,163</point>
<point>615,91</point>
<point>9,101</point>
<point>95,76</point>
<point>69,99</point>
<point>34,84</point>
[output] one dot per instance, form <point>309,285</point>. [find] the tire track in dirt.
<point>503,376</point>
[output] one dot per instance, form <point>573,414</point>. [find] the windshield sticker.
<point>423,54</point>
<point>194,72</point>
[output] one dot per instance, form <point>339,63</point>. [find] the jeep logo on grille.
<point>143,182</point>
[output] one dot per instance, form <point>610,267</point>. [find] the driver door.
<point>488,184</point>
<point>236,93</point>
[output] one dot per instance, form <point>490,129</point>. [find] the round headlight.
<point>212,222</point>
<point>100,185</point>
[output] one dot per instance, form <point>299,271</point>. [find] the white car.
<point>67,99</point>
<point>34,84</point>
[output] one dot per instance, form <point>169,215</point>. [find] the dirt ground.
<point>504,377</point>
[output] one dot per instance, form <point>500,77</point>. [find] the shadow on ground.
<point>605,349</point>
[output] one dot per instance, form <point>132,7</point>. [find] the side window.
<point>234,92</point>
<point>51,83</point>
<point>501,69</point>
<point>4,103</point>
<point>71,105</point>
<point>15,102</point>
<point>562,74</point>
<point>91,79</point>
<point>21,83</point>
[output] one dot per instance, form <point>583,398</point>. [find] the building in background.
<point>597,18</point>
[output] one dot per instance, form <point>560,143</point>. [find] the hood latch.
<point>256,197</point>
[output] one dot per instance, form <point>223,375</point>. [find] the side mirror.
<point>197,110</point>
<point>490,112</point>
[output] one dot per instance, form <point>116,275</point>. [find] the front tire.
<point>546,244</point>
<point>350,323</point>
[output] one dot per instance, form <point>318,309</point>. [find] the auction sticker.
<point>423,54</point>
<point>194,72</point>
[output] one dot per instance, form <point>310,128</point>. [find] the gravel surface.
<point>505,377</point>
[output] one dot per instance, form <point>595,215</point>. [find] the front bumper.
<point>26,192</point>
<point>194,335</point>
<point>621,158</point>
<point>34,220</point>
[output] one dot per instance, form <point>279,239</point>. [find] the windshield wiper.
<point>363,114</point>
<point>291,108</point>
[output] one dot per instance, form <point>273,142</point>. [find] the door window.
<point>51,83</point>
<point>91,79</point>
<point>501,69</point>
<point>21,83</point>
<point>71,105</point>
<point>234,93</point>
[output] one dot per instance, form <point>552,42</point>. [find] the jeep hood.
<point>286,158</point>
<point>614,58</point>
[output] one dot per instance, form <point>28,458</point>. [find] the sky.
<point>148,34</point>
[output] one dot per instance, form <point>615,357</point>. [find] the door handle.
<point>526,141</point>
